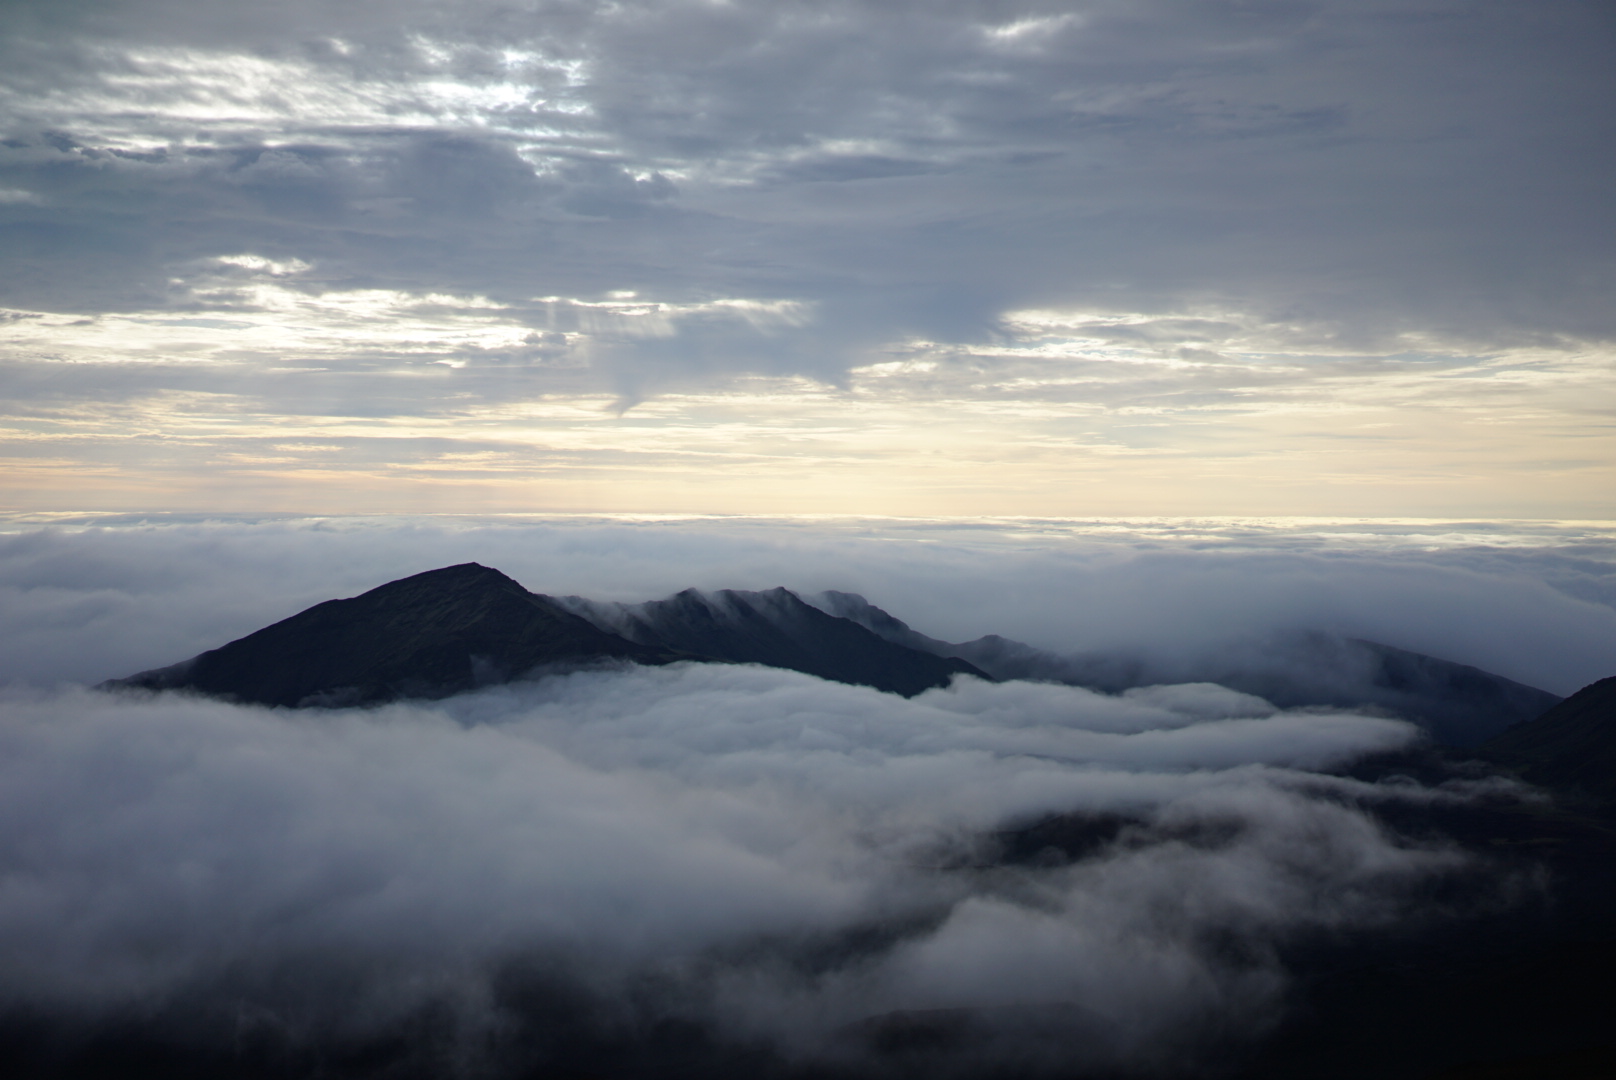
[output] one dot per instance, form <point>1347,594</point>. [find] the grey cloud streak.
<point>912,170</point>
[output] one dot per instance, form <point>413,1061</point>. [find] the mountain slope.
<point>429,635</point>
<point>1571,746</point>
<point>778,629</point>
<point>1457,704</point>
<point>449,630</point>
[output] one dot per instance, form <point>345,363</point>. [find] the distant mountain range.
<point>454,629</point>
<point>1457,704</point>
<point>429,635</point>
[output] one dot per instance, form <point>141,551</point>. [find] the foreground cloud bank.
<point>769,857</point>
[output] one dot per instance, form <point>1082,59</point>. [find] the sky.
<point>938,258</point>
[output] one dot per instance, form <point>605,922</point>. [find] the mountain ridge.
<point>776,628</point>
<point>1457,704</point>
<point>426,635</point>
<point>459,627</point>
<point>1571,747</point>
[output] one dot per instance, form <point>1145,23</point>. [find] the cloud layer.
<point>1532,603</point>
<point>477,117</point>
<point>565,871</point>
<point>714,828</point>
<point>1142,257</point>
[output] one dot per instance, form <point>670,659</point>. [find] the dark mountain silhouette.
<point>449,630</point>
<point>453,629</point>
<point>429,635</point>
<point>1571,747</point>
<point>1457,704</point>
<point>778,629</point>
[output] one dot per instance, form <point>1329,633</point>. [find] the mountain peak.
<point>428,635</point>
<point>458,575</point>
<point>457,627</point>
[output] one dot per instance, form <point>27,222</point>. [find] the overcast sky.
<point>1141,257</point>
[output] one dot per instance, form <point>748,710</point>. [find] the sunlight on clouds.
<point>1030,32</point>
<point>624,314</point>
<point>800,449</point>
<point>145,97</point>
<point>170,86</point>
<point>240,310</point>
<point>1069,413</point>
<point>268,266</point>
<point>1203,327</point>
<point>269,322</point>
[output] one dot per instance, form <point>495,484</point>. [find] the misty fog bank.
<point>552,871</point>
<point>780,859</point>
<point>1534,603</point>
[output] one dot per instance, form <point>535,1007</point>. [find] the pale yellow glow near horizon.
<point>810,451</point>
<point>279,395</point>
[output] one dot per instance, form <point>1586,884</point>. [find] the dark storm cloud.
<point>1347,171</point>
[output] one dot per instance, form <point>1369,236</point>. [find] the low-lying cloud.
<point>1534,603</point>
<point>787,863</point>
<point>718,866</point>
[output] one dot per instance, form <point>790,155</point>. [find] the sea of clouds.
<point>82,602</point>
<point>780,863</point>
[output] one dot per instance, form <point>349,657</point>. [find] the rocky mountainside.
<point>1457,704</point>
